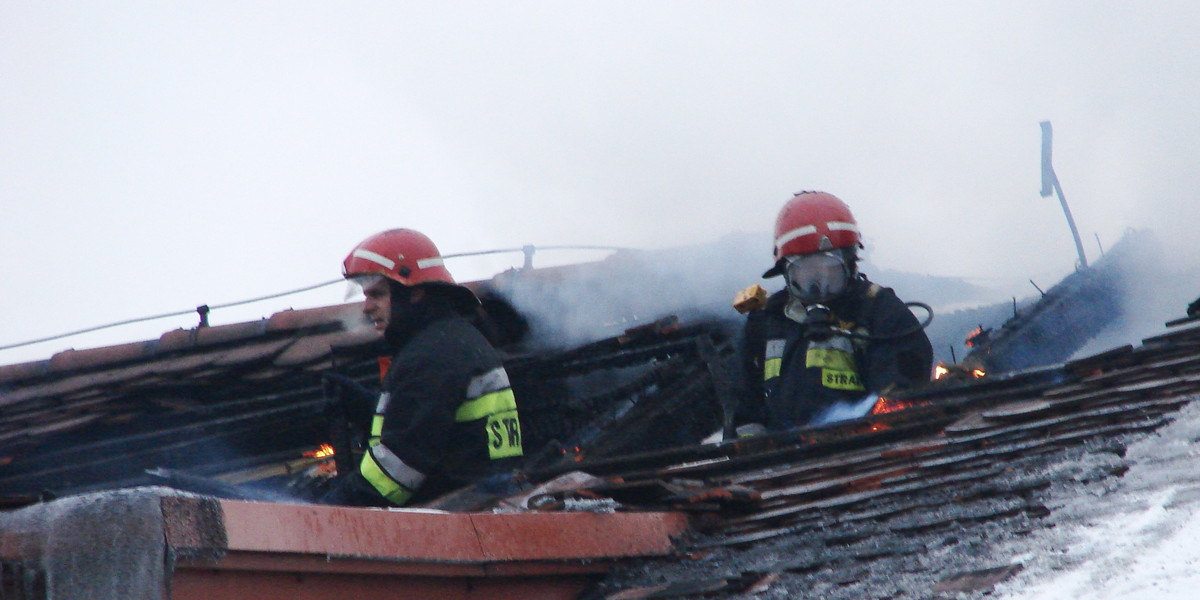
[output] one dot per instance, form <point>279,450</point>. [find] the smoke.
<point>1158,282</point>
<point>354,321</point>
<point>572,305</point>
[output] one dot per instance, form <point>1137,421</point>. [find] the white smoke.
<point>582,303</point>
<point>1158,284</point>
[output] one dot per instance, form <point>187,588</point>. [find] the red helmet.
<point>402,255</point>
<point>813,222</point>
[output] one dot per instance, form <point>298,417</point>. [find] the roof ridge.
<point>71,361</point>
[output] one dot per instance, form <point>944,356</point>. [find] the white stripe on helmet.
<point>375,258</point>
<point>793,234</point>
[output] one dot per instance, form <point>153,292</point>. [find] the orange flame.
<point>322,452</point>
<point>971,336</point>
<point>890,405</point>
<point>940,371</point>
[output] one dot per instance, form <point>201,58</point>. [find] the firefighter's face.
<point>378,303</point>
<point>817,277</point>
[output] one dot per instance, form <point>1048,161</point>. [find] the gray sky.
<point>157,156</point>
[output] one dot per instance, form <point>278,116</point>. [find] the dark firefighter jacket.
<point>794,376</point>
<point>446,417</point>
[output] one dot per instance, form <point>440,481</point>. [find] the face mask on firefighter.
<point>816,277</point>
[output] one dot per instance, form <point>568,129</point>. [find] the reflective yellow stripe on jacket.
<point>773,358</point>
<point>389,475</point>
<point>839,370</point>
<point>491,399</point>
<point>394,479</point>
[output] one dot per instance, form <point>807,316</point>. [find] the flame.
<point>971,336</point>
<point>576,453</point>
<point>322,452</point>
<point>890,405</point>
<point>940,371</point>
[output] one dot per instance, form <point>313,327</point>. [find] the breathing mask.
<point>816,277</point>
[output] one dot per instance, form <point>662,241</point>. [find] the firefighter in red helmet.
<point>831,339</point>
<point>446,415</point>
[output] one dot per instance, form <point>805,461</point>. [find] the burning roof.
<point>912,498</point>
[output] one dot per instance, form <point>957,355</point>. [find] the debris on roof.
<point>911,500</point>
<point>917,503</point>
<point>1067,315</point>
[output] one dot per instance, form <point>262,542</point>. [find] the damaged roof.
<point>929,496</point>
<point>927,502</point>
<point>97,419</point>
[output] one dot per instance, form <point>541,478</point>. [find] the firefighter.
<point>447,415</point>
<point>830,337</point>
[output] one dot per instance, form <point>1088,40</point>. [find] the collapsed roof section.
<point>950,496</point>
<point>927,500</point>
<point>243,404</point>
<point>1068,314</point>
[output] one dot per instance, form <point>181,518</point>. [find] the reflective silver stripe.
<point>375,258</point>
<point>492,381</point>
<point>425,263</point>
<point>775,348</point>
<point>811,229</point>
<point>793,234</point>
<point>395,468</point>
<point>384,399</point>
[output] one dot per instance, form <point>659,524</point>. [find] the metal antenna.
<point>1050,185</point>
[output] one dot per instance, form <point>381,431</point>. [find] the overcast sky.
<point>157,156</point>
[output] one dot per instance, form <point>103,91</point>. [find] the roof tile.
<point>325,315</point>
<point>307,350</point>
<point>204,336</point>
<point>77,360</point>
<point>250,353</point>
<point>25,370</point>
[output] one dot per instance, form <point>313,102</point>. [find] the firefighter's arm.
<point>408,436</point>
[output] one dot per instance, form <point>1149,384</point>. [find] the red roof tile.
<point>314,348</point>
<point>203,336</point>
<point>26,370</point>
<point>299,319</point>
<point>76,360</point>
<point>249,353</point>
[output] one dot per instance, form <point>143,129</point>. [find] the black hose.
<point>894,336</point>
